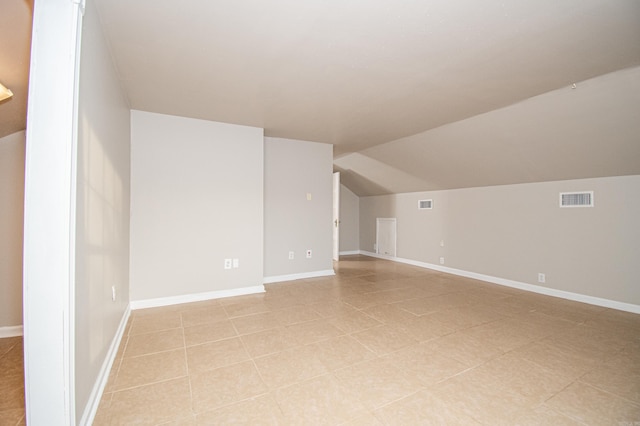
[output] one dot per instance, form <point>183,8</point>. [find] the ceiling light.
<point>5,93</point>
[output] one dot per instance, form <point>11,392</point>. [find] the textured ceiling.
<point>15,45</point>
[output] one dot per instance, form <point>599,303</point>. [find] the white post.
<point>49,219</point>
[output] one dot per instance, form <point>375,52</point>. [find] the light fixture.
<point>5,93</point>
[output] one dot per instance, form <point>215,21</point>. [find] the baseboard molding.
<point>103,377</point>
<point>577,297</point>
<point>301,276</point>
<point>349,252</point>
<point>195,297</point>
<point>11,331</point>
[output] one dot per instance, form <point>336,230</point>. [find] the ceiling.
<point>15,45</point>
<point>381,79</point>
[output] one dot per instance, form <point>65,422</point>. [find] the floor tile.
<point>423,408</point>
<point>209,332</point>
<point>262,410</point>
<point>159,341</point>
<point>151,404</point>
<point>384,339</point>
<point>322,400</point>
<point>226,385</point>
<point>352,321</point>
<point>313,331</point>
<point>340,352</point>
<point>141,324</point>
<point>254,323</point>
<point>295,314</point>
<point>209,356</point>
<point>203,315</point>
<point>269,342</point>
<point>589,405</point>
<point>147,369</point>
<point>289,367</point>
<point>377,382</point>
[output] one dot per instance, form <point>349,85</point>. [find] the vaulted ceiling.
<point>15,50</point>
<point>414,94</point>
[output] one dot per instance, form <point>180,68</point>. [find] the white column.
<point>49,228</point>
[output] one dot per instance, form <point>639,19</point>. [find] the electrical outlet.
<point>227,264</point>
<point>442,260</point>
<point>541,277</point>
<point>291,255</point>
<point>236,263</point>
<point>309,254</point>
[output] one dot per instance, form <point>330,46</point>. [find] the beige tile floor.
<point>11,382</point>
<point>381,343</point>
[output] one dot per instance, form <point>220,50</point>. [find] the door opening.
<point>336,216</point>
<point>386,236</point>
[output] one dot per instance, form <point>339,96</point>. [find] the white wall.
<point>517,231</point>
<point>11,220</point>
<point>349,220</point>
<point>196,199</point>
<point>102,216</point>
<point>292,222</point>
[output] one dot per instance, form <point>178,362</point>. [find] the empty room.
<point>319,212</point>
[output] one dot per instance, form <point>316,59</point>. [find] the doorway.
<point>386,236</point>
<point>336,216</point>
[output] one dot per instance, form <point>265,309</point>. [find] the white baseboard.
<point>349,252</point>
<point>12,331</point>
<point>577,297</point>
<point>196,297</point>
<point>292,277</point>
<point>103,377</point>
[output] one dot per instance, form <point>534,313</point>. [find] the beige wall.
<point>517,231</point>
<point>11,226</point>
<point>349,220</point>
<point>102,215</point>
<point>196,199</point>
<point>294,169</point>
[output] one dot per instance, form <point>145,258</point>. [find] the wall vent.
<point>576,199</point>
<point>425,204</point>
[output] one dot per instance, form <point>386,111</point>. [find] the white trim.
<point>91,408</point>
<point>194,297</point>
<point>349,252</point>
<point>577,297</point>
<point>301,276</point>
<point>11,331</point>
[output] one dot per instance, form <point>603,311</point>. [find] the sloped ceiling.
<point>360,74</point>
<point>414,94</point>
<point>588,130</point>
<point>15,49</point>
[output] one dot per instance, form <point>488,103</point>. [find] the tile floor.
<point>11,382</point>
<point>381,343</point>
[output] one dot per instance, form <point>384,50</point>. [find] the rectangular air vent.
<point>576,199</point>
<point>425,204</point>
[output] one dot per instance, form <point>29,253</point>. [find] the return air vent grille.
<point>425,204</point>
<point>576,199</point>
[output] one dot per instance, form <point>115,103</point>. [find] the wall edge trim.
<point>11,331</point>
<point>91,408</point>
<point>194,297</point>
<point>576,297</point>
<point>303,275</point>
